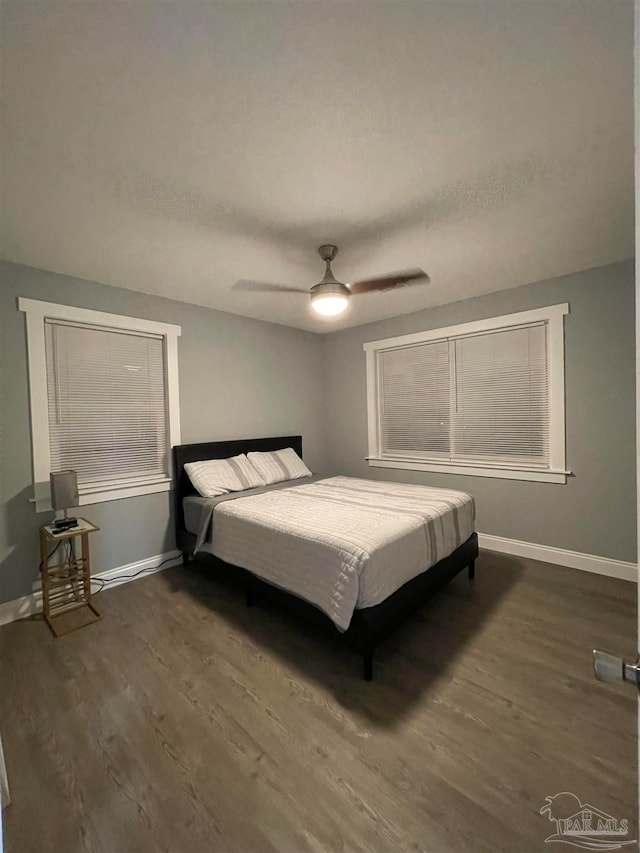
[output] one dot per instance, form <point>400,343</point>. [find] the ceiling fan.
<point>331,297</point>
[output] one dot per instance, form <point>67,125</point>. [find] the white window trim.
<point>553,315</point>
<point>36,313</point>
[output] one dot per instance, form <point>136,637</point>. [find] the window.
<point>104,400</point>
<point>483,398</point>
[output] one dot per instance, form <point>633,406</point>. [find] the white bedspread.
<point>342,542</point>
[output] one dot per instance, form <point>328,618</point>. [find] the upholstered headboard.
<point>183,453</point>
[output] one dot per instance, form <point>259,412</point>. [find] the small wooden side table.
<point>66,585</point>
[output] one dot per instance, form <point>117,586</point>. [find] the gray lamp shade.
<point>64,489</point>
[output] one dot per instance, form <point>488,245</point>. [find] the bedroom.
<point>154,156</point>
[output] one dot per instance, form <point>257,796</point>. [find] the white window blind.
<point>500,398</point>
<point>415,400</point>
<point>106,394</point>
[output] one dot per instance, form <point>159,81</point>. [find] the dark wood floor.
<point>184,721</point>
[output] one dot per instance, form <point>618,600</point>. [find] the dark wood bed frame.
<point>369,625</point>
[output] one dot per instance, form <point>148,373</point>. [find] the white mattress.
<point>342,542</point>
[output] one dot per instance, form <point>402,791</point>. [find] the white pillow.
<point>213,477</point>
<point>279,465</point>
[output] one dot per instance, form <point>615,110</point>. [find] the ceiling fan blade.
<point>250,286</point>
<point>390,281</point>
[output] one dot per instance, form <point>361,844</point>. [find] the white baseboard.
<point>572,559</point>
<point>30,604</point>
<point>19,608</point>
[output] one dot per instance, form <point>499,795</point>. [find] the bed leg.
<point>248,594</point>
<point>368,664</point>
<point>472,570</point>
<point>185,558</point>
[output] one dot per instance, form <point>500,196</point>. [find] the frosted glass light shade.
<point>329,304</point>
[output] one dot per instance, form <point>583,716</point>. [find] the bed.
<point>275,538</point>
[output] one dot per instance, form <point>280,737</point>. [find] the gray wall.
<point>238,377</point>
<point>595,511</point>
<point>241,377</point>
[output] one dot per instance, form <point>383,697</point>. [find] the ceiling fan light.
<point>329,304</point>
<point>330,297</point>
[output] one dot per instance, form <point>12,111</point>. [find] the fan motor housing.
<point>330,288</point>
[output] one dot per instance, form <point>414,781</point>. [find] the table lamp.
<point>64,494</point>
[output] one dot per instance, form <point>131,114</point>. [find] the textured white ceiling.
<point>178,147</point>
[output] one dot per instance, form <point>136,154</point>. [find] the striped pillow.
<point>279,465</point>
<point>213,477</point>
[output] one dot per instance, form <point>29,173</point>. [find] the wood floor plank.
<point>186,722</point>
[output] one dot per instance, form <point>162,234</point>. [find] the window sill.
<point>503,473</point>
<point>102,492</point>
